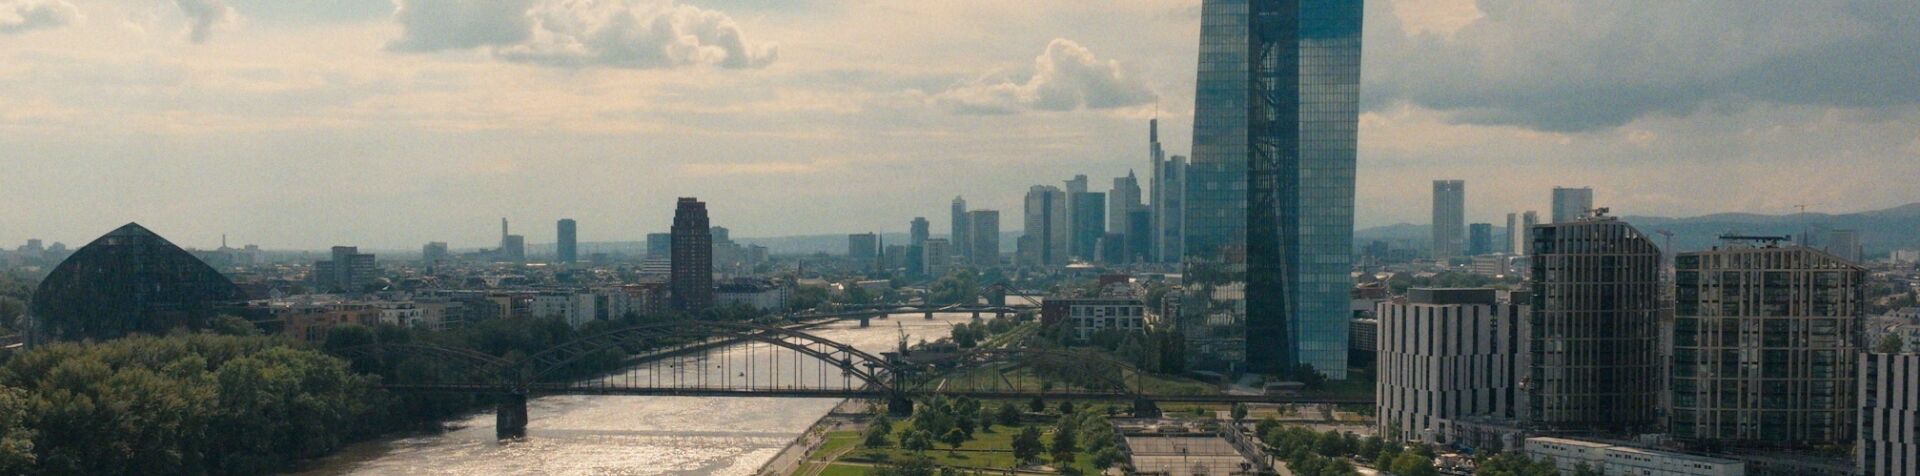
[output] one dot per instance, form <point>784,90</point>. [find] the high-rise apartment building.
<point>1449,218</point>
<point>350,271</point>
<point>1045,240</point>
<point>1444,355</point>
<point>962,245</point>
<point>566,248</point>
<point>983,232</point>
<point>1764,347</point>
<point>1088,222</point>
<point>937,255</point>
<point>1844,244</point>
<point>690,283</point>
<point>659,245</point>
<point>1593,363</point>
<point>1889,399</point>
<point>1571,204</point>
<point>1519,228</point>
<point>863,246</point>
<point>1479,239</point>
<point>1269,205</point>
<point>435,252</point>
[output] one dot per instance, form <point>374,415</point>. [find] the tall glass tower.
<point>1269,226</point>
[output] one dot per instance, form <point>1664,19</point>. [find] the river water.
<point>615,435</point>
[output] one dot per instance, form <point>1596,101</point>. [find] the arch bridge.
<point>730,359</point>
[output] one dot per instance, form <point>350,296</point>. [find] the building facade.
<point>1089,223</point>
<point>566,246</point>
<point>1449,219</point>
<point>690,281</point>
<point>1046,240</point>
<point>962,231</point>
<point>1764,347</point>
<point>1085,317</point>
<point>1479,239</point>
<point>350,271</point>
<point>1569,455</point>
<point>1269,209</point>
<point>983,235</point>
<point>1444,355</point>
<point>1593,360</point>
<point>937,255</point>
<point>1889,422</point>
<point>1571,204</point>
<point>863,247</point>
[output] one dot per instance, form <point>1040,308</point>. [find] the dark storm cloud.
<point>1577,65</point>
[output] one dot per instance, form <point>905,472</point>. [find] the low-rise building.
<point>577,308</point>
<point>1085,317</point>
<point>1609,459</point>
<point>760,294</point>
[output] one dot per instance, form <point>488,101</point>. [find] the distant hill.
<point>1881,231</point>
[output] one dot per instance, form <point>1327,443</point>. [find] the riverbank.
<point>849,415</point>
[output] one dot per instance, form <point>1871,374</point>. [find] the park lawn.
<point>985,450</point>
<point>844,470</point>
<point>836,441</point>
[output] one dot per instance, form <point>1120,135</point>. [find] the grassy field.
<point>987,450</point>
<point>844,470</point>
<point>1013,378</point>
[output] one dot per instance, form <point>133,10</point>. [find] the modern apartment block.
<point>1445,355</point>
<point>1889,423</point>
<point>1594,361</point>
<point>1765,343</point>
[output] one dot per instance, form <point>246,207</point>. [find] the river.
<point>614,435</point>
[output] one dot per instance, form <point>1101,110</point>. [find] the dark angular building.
<point>690,281</point>
<point>1594,362</point>
<point>129,281</point>
<point>567,247</point>
<point>1269,194</point>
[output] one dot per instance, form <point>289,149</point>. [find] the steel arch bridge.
<point>728,359</point>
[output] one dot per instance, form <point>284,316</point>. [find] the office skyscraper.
<point>690,282</point>
<point>962,246</point>
<point>1123,199</point>
<point>659,245</point>
<point>918,231</point>
<point>567,247</point>
<point>435,252</point>
<point>1045,240</point>
<point>1140,235</point>
<point>1479,239</point>
<point>1089,223</point>
<point>1449,218</point>
<point>1594,363</point>
<point>863,246</point>
<point>1764,347</point>
<point>983,231</point>
<point>1570,204</point>
<point>1269,221</point>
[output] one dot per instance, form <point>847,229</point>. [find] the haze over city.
<point>943,238</point>
<point>297,125</point>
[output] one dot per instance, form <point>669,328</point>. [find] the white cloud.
<point>1066,77</point>
<point>203,16</point>
<point>20,16</point>
<point>615,33</point>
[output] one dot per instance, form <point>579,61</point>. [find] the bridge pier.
<point>929,315</point>
<point>899,406</point>
<point>976,315</point>
<point>865,321</point>
<point>1144,408</point>
<point>510,417</point>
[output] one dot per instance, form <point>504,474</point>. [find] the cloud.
<point>576,34</point>
<point>203,16</point>
<point>21,16</point>
<point>1066,77</point>
<point>1578,65</point>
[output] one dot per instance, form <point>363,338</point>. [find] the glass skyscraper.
<point>1269,225</point>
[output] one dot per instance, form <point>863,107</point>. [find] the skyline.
<point>443,142</point>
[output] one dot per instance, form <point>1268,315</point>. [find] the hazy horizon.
<point>390,124</point>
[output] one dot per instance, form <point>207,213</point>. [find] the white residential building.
<point>577,308</point>
<point>1889,442</point>
<point>1448,354</point>
<point>1088,316</point>
<point>1614,460</point>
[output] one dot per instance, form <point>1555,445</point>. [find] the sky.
<point>391,123</point>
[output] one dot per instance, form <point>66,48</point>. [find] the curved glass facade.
<point>129,281</point>
<point>1269,222</point>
